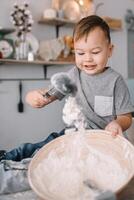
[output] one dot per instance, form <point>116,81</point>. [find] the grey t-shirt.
<point>101,97</point>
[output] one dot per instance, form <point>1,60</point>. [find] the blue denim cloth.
<point>27,150</point>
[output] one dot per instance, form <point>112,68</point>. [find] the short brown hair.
<point>87,24</point>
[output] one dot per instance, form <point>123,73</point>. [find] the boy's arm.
<point>61,85</point>
<point>36,98</point>
<point>119,125</point>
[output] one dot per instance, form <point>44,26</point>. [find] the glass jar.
<point>21,48</point>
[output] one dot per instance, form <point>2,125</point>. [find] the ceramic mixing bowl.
<point>73,164</point>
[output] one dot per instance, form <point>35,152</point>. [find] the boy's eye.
<point>95,52</point>
<point>80,53</point>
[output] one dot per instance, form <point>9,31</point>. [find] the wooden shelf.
<point>35,62</point>
<point>114,24</point>
<point>56,21</point>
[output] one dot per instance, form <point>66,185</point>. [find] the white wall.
<point>34,125</point>
<point>117,9</point>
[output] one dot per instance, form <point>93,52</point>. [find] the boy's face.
<point>92,55</point>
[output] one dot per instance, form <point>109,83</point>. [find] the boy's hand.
<point>35,99</point>
<point>114,128</point>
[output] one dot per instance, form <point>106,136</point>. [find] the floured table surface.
<point>128,192</point>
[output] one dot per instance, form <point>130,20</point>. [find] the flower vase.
<point>21,48</point>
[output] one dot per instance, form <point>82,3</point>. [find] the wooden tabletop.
<point>128,192</point>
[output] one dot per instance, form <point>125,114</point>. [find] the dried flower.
<point>22,19</point>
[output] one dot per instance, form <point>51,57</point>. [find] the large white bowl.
<point>117,148</point>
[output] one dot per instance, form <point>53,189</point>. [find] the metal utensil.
<point>103,195</point>
<point>20,104</point>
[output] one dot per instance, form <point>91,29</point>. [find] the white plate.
<point>71,10</point>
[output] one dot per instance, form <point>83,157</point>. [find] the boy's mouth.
<point>90,67</point>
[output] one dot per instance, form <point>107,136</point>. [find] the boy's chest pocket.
<point>103,105</point>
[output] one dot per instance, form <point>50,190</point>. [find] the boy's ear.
<point>111,47</point>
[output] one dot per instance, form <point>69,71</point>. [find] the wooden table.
<point>128,192</point>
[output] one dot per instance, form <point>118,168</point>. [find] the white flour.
<point>72,114</point>
<point>62,176</point>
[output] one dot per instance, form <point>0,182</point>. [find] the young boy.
<point>102,95</point>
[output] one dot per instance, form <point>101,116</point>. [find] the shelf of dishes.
<point>36,62</point>
<point>115,24</point>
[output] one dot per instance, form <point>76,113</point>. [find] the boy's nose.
<point>88,58</point>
